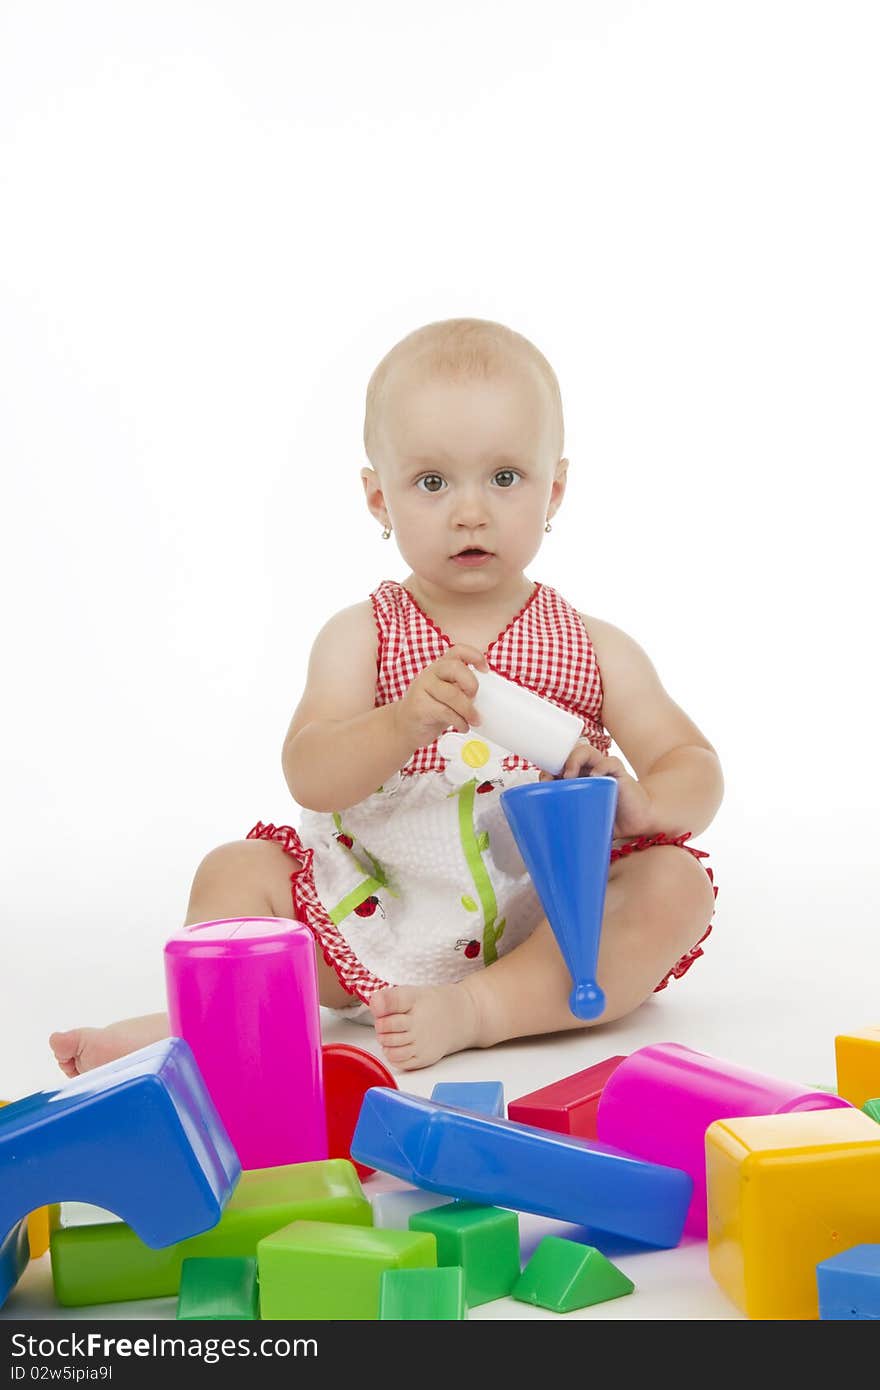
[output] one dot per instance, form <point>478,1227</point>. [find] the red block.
<point>349,1071</point>
<point>568,1106</point>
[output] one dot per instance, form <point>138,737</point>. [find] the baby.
<point>403,865</point>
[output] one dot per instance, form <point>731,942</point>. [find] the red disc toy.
<point>349,1072</point>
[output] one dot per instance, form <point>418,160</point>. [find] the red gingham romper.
<point>386,886</point>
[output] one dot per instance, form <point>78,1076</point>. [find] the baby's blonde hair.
<point>457,348</point>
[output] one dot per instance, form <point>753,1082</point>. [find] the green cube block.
<point>483,1240</point>
<point>108,1263</point>
<point>422,1295</point>
<point>315,1269</point>
<point>562,1276</point>
<point>223,1290</point>
<point>872,1109</point>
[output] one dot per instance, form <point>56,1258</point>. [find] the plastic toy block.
<point>563,831</point>
<point>348,1073</point>
<point>485,1097</point>
<point>498,1162</point>
<point>484,1241</point>
<point>785,1193</point>
<point>849,1285</point>
<point>563,1276</point>
<point>40,1227</point>
<point>166,1163</point>
<point>422,1295</point>
<point>392,1210</point>
<point>104,1263</point>
<point>568,1106</point>
<point>858,1064</point>
<point>312,1269</point>
<point>661,1100</point>
<point>219,1290</point>
<point>14,1255</point>
<point>265,1073</point>
<point>39,1224</point>
<point>872,1109</point>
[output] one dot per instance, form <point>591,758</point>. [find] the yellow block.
<point>784,1192</point>
<point>858,1065</point>
<point>39,1225</point>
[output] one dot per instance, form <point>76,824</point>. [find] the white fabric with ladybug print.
<point>423,880</point>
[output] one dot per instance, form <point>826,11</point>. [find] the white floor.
<point>786,968</point>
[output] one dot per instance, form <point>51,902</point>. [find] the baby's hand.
<point>633,815</point>
<point>441,696</point>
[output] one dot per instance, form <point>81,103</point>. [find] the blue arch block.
<point>498,1162</point>
<point>14,1255</point>
<point>140,1136</point>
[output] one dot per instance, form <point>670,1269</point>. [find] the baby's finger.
<point>453,698</point>
<point>456,672</point>
<point>581,761</point>
<point>471,655</point>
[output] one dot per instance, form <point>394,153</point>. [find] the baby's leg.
<point>657,905</point>
<point>247,878</point>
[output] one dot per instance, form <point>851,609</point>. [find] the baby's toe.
<point>401,1057</point>
<point>391,1025</point>
<point>393,999</point>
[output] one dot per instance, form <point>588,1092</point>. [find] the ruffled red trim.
<point>683,965</point>
<point>308,908</point>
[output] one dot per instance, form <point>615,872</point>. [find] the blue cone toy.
<point>564,830</point>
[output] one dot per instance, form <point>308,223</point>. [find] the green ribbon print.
<point>365,889</point>
<point>473,846</point>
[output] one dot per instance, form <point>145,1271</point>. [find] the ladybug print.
<point>471,948</point>
<point>345,840</point>
<point>488,786</point>
<point>369,906</point>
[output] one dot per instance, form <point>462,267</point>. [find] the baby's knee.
<point>243,861</point>
<point>685,897</point>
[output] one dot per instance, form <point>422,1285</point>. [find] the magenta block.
<point>660,1101</point>
<point>244,994</point>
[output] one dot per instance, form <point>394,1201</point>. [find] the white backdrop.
<point>215,218</point>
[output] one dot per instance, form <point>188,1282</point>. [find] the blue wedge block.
<point>501,1163</point>
<point>486,1097</point>
<point>140,1137</point>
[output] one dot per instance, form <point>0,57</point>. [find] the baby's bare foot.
<point>417,1025</point>
<point>81,1049</point>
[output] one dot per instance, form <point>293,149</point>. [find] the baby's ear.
<point>373,492</point>
<point>557,491</point>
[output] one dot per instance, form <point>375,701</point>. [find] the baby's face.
<point>467,476</point>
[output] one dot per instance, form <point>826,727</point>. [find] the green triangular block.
<point>562,1276</point>
<point>872,1109</point>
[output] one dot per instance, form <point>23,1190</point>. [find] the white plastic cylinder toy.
<point>522,722</point>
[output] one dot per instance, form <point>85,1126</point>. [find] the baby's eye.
<point>431,482</point>
<point>506,477</point>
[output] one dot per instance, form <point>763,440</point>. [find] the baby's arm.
<point>674,763</point>
<point>340,747</point>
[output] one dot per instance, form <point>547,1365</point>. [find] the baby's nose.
<point>470,509</point>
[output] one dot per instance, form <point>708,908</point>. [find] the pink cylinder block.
<point>660,1100</point>
<point>244,994</point>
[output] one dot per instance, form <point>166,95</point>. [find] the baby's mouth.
<point>471,550</point>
